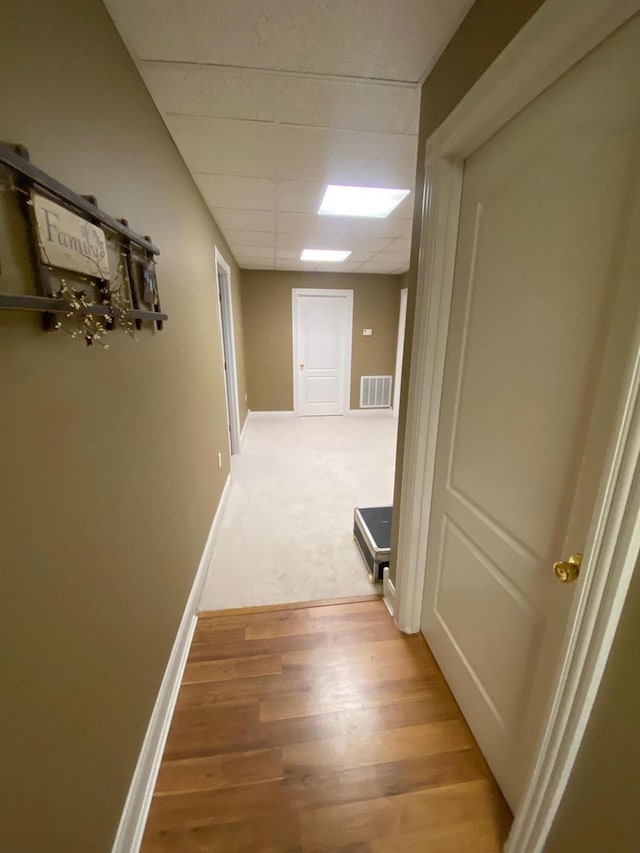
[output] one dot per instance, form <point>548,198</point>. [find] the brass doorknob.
<point>302,367</point>
<point>568,570</point>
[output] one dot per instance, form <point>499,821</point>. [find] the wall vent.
<point>375,392</point>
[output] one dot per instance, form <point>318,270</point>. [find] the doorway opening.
<point>317,452</point>
<point>225,318</point>
<point>402,324</point>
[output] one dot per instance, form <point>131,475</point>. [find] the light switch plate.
<point>367,332</point>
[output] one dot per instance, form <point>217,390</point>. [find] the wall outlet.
<point>219,459</point>
<point>367,332</point>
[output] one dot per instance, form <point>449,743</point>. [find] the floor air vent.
<point>375,392</point>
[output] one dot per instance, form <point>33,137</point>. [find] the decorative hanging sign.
<point>69,241</point>
<point>94,274</point>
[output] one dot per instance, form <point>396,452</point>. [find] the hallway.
<point>319,728</point>
<point>286,534</point>
<point>255,208</point>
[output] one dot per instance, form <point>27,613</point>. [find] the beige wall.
<point>108,476</point>
<point>599,811</point>
<point>487,29</point>
<point>266,312</point>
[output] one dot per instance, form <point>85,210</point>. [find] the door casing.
<point>402,321</point>
<point>228,346</point>
<point>555,38</point>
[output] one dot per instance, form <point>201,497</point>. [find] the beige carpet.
<point>287,530</point>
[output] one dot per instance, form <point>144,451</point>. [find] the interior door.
<point>545,300</point>
<point>322,350</point>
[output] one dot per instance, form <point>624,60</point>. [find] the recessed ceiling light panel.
<point>333,256</point>
<point>375,202</point>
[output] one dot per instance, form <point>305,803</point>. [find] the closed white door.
<point>545,300</point>
<point>322,350</point>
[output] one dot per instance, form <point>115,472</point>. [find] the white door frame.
<point>318,291</point>
<point>560,34</point>
<point>228,346</point>
<point>402,322</point>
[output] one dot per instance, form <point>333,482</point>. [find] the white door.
<point>322,351</point>
<point>545,298</point>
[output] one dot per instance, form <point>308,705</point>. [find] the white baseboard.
<point>386,411</point>
<point>285,414</point>
<point>244,428</point>
<point>136,807</point>
<point>388,591</point>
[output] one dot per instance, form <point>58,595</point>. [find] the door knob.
<point>302,367</point>
<point>568,570</point>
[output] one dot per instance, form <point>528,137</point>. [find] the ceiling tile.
<point>223,146</point>
<point>294,242</point>
<point>372,244</point>
<point>392,259</point>
<point>400,245</point>
<point>292,264</point>
<point>233,191</point>
<point>254,252</point>
<point>346,157</point>
<point>362,38</point>
<point>251,220</point>
<point>208,90</point>
<point>405,209</point>
<point>240,239</point>
<point>351,266</point>
<point>341,227</point>
<point>380,267</point>
<point>295,223</point>
<point>405,227</point>
<point>364,244</point>
<point>300,196</point>
<point>257,265</point>
<point>348,105</point>
<point>358,256</point>
<point>249,93</point>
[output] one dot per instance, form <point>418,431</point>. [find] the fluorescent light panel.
<point>333,256</point>
<point>360,201</point>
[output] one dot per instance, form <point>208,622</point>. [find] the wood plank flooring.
<point>317,728</point>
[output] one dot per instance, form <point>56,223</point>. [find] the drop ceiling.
<point>268,101</point>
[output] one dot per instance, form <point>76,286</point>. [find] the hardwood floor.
<point>317,728</point>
